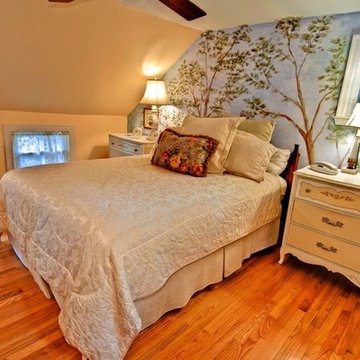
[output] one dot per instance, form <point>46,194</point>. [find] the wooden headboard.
<point>292,165</point>
<point>288,175</point>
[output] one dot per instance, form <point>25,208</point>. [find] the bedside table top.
<point>135,139</point>
<point>340,178</point>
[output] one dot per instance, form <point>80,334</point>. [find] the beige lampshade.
<point>155,93</point>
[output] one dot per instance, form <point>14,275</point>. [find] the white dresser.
<point>323,222</point>
<point>125,145</point>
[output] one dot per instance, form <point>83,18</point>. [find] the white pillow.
<point>222,129</point>
<point>249,156</point>
<point>278,161</point>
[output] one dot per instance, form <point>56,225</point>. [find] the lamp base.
<point>349,171</point>
<point>152,135</point>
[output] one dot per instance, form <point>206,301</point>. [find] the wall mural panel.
<point>290,70</point>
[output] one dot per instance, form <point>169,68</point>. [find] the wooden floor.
<point>265,311</point>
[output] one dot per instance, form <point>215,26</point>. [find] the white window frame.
<point>351,84</point>
<point>10,129</point>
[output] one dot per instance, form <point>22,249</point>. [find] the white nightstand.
<point>323,222</point>
<point>125,145</point>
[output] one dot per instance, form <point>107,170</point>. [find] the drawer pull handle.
<point>326,248</point>
<point>337,196</point>
<point>326,220</point>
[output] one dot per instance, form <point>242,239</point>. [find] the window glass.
<point>40,148</point>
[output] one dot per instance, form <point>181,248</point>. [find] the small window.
<point>36,145</point>
<point>39,148</point>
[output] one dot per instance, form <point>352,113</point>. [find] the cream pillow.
<point>278,161</point>
<point>249,156</point>
<point>263,129</point>
<point>222,129</point>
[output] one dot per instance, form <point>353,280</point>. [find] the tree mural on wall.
<point>205,85</point>
<point>290,47</point>
<point>294,72</point>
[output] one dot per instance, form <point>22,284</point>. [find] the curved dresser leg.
<point>282,256</point>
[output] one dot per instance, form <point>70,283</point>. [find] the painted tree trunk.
<point>309,143</point>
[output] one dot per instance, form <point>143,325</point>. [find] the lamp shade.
<point>354,120</point>
<point>155,93</point>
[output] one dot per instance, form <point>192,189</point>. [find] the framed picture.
<point>148,118</point>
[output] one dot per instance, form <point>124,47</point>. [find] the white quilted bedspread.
<point>106,232</point>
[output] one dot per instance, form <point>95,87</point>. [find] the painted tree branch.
<point>285,46</point>
<point>218,49</point>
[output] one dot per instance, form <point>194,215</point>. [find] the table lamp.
<point>155,94</point>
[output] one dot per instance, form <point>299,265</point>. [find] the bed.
<point>119,241</point>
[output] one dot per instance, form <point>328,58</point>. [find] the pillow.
<point>249,156</point>
<point>221,129</point>
<point>185,154</point>
<point>278,161</point>
<point>263,129</point>
<point>176,128</point>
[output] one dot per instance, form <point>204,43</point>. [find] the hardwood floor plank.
<point>329,346</point>
<point>24,332</point>
<point>295,345</point>
<point>325,321</point>
<point>349,344</point>
<point>7,263</point>
<point>279,334</point>
<point>16,311</point>
<point>36,348</point>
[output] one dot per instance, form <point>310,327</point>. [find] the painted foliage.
<point>205,85</point>
<point>290,70</point>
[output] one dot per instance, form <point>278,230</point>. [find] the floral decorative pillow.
<point>186,154</point>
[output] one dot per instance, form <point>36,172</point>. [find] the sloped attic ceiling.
<point>229,13</point>
<point>85,57</point>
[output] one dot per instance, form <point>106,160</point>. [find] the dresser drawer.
<point>333,196</point>
<point>124,146</point>
<point>328,248</point>
<point>331,222</point>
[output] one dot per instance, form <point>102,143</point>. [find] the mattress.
<point>104,233</point>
